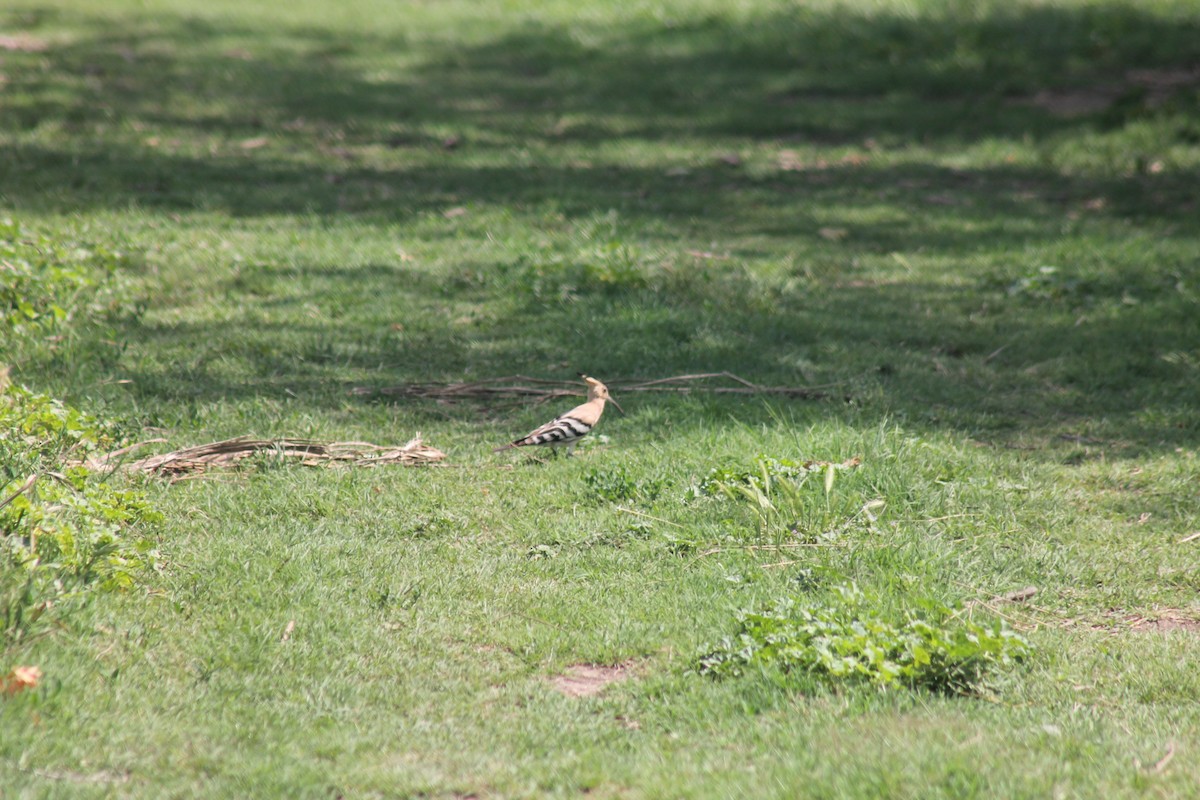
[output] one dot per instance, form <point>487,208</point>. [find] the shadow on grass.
<point>167,112</point>
<point>1079,367</point>
<point>176,114</point>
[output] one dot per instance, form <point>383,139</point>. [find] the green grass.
<point>887,198</point>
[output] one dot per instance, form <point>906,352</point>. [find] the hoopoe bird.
<point>567,429</point>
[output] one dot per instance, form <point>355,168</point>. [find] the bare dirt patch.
<point>1152,87</point>
<point>23,43</point>
<point>586,680</point>
<point>1165,621</point>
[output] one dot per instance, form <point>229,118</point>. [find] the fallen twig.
<point>1010,618</point>
<point>1019,596</point>
<point>751,548</point>
<point>1191,538</point>
<point>106,461</point>
<point>1073,437</point>
<point>25,487</point>
<point>522,386</point>
<point>697,377</point>
<point>1158,766</point>
<point>648,516</point>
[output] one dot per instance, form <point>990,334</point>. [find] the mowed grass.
<point>974,225</point>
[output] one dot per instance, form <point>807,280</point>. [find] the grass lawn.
<point>975,226</point>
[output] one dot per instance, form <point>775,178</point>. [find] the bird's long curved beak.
<point>615,403</point>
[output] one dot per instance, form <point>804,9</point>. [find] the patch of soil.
<point>1167,621</point>
<point>1153,87</point>
<point>1164,620</point>
<point>586,680</point>
<point>23,43</point>
<point>1074,102</point>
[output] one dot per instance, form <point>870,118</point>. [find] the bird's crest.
<point>596,389</point>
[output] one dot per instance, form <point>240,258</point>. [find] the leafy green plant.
<point>1048,283</point>
<point>72,526</point>
<point>431,523</point>
<point>616,485</point>
<point>608,270</point>
<point>766,470</point>
<point>775,490</point>
<point>845,640</point>
<point>63,530</point>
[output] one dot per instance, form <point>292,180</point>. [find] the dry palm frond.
<point>229,452</point>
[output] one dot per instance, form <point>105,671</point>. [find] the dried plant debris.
<point>20,679</point>
<point>228,453</point>
<point>515,387</point>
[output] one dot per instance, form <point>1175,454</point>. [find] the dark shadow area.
<point>164,111</point>
<point>1013,200</point>
<point>171,114</point>
<point>1083,363</point>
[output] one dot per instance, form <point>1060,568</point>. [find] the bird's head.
<point>598,391</point>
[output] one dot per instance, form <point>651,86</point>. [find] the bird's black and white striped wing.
<point>562,430</point>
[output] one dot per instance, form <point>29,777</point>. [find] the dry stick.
<point>496,386</point>
<point>1015,597</point>
<point>995,353</point>
<point>797,391</point>
<point>698,376</point>
<point>647,386</point>
<point>485,386</point>
<point>58,476</point>
<point>648,516</point>
<point>940,519</point>
<point>1161,764</point>
<point>527,378</point>
<point>100,462</point>
<point>25,487</point>
<point>750,388</point>
<point>198,476</point>
<point>772,547</point>
<point>1020,595</point>
<point>1011,618</point>
<point>1191,538</point>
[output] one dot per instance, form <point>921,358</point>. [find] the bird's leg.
<point>570,449</point>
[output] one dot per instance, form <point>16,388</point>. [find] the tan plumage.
<point>567,429</point>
